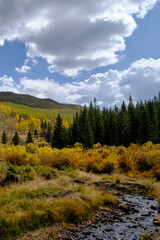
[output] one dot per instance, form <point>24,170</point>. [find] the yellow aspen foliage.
<point>33,124</point>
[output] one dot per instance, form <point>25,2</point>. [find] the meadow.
<point>41,186</point>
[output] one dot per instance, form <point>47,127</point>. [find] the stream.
<point>128,224</point>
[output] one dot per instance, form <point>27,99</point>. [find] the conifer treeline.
<point>119,126</point>
<point>130,123</point>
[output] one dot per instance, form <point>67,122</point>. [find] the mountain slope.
<point>28,100</point>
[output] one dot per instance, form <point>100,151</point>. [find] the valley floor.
<point>53,194</point>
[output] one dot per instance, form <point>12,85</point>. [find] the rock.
<point>156,221</point>
<point>125,208</point>
<point>10,178</point>
<point>153,207</point>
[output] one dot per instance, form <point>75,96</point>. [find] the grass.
<point>58,186</point>
<point>28,205</point>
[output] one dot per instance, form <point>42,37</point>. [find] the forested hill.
<point>31,101</point>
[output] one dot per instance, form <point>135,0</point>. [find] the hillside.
<point>30,101</point>
<point>20,112</point>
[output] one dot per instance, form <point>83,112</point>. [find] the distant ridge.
<point>28,100</point>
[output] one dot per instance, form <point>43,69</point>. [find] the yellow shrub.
<point>125,163</point>
<point>42,144</point>
<point>32,148</point>
<point>16,155</point>
<point>46,155</point>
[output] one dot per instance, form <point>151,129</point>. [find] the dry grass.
<point>58,185</point>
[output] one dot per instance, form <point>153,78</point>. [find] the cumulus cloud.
<point>141,80</point>
<point>8,84</point>
<point>23,69</point>
<point>72,35</point>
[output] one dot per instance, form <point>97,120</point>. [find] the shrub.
<point>156,172</point>
<point>16,155</point>
<point>42,144</point>
<point>32,148</point>
<point>143,162</point>
<point>107,167</point>
<point>61,160</point>
<point>97,145</point>
<point>46,155</point>
<point>125,163</point>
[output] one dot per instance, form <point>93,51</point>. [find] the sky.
<point>73,51</point>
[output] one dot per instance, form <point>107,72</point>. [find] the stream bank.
<point>131,220</point>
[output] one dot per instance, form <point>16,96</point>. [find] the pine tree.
<point>86,133</point>
<point>29,138</point>
<point>91,116</point>
<point>59,137</point>
<point>99,127</point>
<point>15,139</point>
<point>142,123</point>
<point>4,138</point>
<point>48,133</point>
<point>75,129</point>
<point>123,134</point>
<point>132,122</point>
<point>153,123</point>
<point>36,133</point>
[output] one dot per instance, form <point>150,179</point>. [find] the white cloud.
<point>141,80</point>
<point>7,84</point>
<point>23,69</point>
<point>72,35</point>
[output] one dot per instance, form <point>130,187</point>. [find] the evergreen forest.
<point>131,123</point>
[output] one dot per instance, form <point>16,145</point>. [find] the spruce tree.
<point>4,138</point>
<point>29,138</point>
<point>106,126</point>
<point>48,133</point>
<point>123,134</point>
<point>99,127</point>
<point>153,123</point>
<point>86,133</point>
<point>132,122</point>
<point>36,133</point>
<point>91,117</point>
<point>59,137</point>
<point>15,139</point>
<point>75,129</point>
<point>142,122</point>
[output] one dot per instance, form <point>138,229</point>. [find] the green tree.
<point>86,133</point>
<point>132,122</point>
<point>59,137</point>
<point>99,127</point>
<point>142,122</point>
<point>4,138</point>
<point>29,138</point>
<point>75,130</point>
<point>36,133</point>
<point>15,139</point>
<point>123,133</point>
<point>153,130</point>
<point>48,133</point>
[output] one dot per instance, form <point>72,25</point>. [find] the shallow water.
<point>127,226</point>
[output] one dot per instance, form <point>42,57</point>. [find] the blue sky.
<point>107,51</point>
